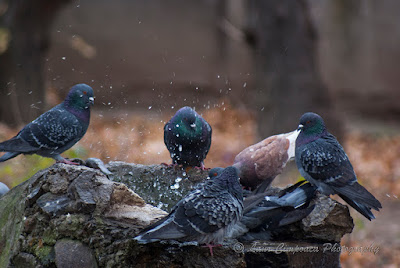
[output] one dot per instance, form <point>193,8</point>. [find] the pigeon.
<point>56,130</point>
<point>322,161</point>
<point>273,211</point>
<point>263,161</point>
<point>205,215</point>
<point>264,212</point>
<point>3,189</point>
<point>188,138</point>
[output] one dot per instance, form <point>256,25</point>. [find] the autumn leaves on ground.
<point>138,138</point>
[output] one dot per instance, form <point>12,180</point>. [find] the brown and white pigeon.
<point>263,161</point>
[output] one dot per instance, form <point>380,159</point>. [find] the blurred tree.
<point>24,41</point>
<point>288,82</point>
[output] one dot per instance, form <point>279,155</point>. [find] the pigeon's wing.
<point>270,156</point>
<point>52,130</point>
<point>325,160</point>
<point>164,229</point>
<point>168,134</point>
<point>206,135</point>
<point>205,212</point>
<point>18,145</point>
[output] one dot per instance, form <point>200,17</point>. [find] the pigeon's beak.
<point>300,127</point>
<point>91,100</point>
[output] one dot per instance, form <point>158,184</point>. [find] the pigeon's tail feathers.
<point>365,210</point>
<point>253,200</point>
<point>16,144</point>
<point>298,197</point>
<point>359,198</point>
<point>8,155</point>
<point>296,215</point>
<point>165,229</point>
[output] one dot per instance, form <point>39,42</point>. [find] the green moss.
<point>71,224</point>
<point>45,254</point>
<point>50,237</point>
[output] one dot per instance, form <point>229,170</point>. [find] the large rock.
<point>75,216</point>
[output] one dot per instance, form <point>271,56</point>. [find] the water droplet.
<point>150,107</point>
<point>63,58</point>
<point>180,148</point>
<point>245,84</point>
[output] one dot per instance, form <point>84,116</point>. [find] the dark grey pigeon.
<point>56,130</point>
<point>3,189</point>
<point>322,161</point>
<point>188,138</point>
<point>262,216</point>
<point>205,215</point>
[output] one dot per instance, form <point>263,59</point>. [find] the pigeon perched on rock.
<point>188,138</point>
<point>264,212</point>
<point>3,189</point>
<point>322,161</point>
<point>272,211</point>
<point>205,215</point>
<point>263,161</point>
<point>56,130</point>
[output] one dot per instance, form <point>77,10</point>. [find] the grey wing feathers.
<point>206,213</point>
<point>325,160</point>
<point>53,129</point>
<point>16,144</point>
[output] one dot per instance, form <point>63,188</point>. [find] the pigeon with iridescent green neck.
<point>188,138</point>
<point>322,161</point>
<point>56,130</point>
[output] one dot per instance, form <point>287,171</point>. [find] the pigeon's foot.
<point>202,167</point>
<point>211,246</point>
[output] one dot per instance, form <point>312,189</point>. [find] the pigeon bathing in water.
<point>188,138</point>
<point>56,130</point>
<point>205,215</point>
<point>264,212</point>
<point>262,216</point>
<point>262,162</point>
<point>322,161</point>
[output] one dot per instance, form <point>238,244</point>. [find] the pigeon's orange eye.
<point>84,92</point>
<point>308,122</point>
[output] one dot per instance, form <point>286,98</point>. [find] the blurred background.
<point>250,67</point>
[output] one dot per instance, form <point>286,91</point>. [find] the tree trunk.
<point>287,80</point>
<point>26,27</point>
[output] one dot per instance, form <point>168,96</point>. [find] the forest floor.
<point>132,137</point>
